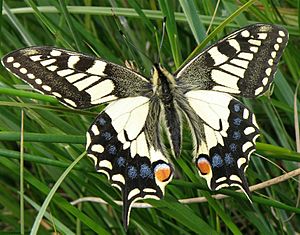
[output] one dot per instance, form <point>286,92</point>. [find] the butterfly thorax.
<point>164,87</point>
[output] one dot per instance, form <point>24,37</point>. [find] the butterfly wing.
<point>243,63</point>
<point>124,139</point>
<point>224,133</point>
<point>124,143</point>
<point>75,79</point>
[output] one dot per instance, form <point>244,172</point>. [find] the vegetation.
<point>54,136</point>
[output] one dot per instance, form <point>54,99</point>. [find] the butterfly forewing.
<point>75,79</point>
<point>243,63</point>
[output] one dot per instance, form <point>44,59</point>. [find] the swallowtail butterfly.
<point>125,142</point>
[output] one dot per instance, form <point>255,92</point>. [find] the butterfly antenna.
<point>120,22</point>
<point>134,47</point>
<point>162,38</point>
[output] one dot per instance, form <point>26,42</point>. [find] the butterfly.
<point>125,142</point>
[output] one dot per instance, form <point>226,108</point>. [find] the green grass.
<point>54,136</point>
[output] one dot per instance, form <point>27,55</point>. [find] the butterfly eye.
<point>152,71</point>
<point>203,166</point>
<point>161,67</point>
<point>162,172</point>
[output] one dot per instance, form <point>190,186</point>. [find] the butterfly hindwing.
<point>224,139</point>
<point>118,143</point>
<point>75,79</point>
<point>243,63</point>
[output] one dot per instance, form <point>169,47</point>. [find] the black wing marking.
<point>243,63</point>
<point>224,133</point>
<point>75,79</point>
<point>121,141</point>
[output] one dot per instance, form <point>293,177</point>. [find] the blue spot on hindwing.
<point>233,147</point>
<point>106,135</point>
<point>228,159</point>
<point>120,161</point>
<point>217,161</point>
<point>101,121</point>
<point>237,108</point>
<point>145,171</point>
<point>236,135</point>
<point>237,121</point>
<point>112,150</point>
<point>132,172</point>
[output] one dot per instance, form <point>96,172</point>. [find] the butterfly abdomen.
<point>174,126</point>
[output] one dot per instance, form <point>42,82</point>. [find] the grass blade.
<point>171,27</point>
<point>50,195</point>
<point>193,19</point>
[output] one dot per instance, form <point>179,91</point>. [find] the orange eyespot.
<point>203,166</point>
<point>162,172</point>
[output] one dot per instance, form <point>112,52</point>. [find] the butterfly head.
<point>160,74</point>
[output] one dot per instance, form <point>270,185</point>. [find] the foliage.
<point>54,136</point>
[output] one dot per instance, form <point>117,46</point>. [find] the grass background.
<point>54,136</point>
